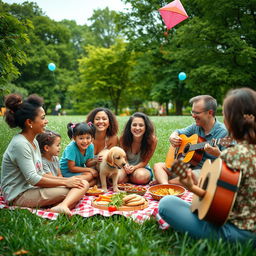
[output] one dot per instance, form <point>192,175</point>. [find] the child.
<point>78,156</point>
<point>49,144</point>
<point>240,119</point>
<point>139,142</point>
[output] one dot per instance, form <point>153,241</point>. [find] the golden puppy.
<point>112,160</point>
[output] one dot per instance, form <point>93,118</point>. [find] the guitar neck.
<point>213,142</point>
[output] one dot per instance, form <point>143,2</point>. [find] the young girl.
<point>23,180</point>
<point>106,130</point>
<point>139,142</point>
<point>240,119</point>
<point>49,144</point>
<point>78,156</point>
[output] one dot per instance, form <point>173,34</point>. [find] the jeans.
<point>178,215</point>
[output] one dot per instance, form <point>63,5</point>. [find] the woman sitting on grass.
<point>139,142</point>
<point>106,130</point>
<point>240,119</point>
<point>23,180</point>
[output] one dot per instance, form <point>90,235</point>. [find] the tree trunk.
<point>167,108</point>
<point>178,107</point>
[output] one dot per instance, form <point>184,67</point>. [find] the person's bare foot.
<point>61,209</point>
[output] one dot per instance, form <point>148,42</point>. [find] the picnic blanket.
<point>85,209</point>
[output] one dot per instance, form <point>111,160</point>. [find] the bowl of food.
<point>94,191</point>
<point>161,190</point>
<point>139,190</point>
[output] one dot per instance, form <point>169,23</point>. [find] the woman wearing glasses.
<point>206,126</point>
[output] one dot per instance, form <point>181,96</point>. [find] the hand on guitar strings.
<point>175,140</point>
<point>187,177</point>
<point>212,150</point>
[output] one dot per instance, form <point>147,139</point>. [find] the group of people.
<point>33,176</point>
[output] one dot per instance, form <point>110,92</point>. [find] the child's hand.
<point>74,182</point>
<point>94,173</point>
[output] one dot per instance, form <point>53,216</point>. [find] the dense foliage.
<point>126,59</point>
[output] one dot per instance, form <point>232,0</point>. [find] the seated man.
<point>206,126</point>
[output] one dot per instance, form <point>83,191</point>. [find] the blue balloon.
<point>182,76</point>
<point>51,66</point>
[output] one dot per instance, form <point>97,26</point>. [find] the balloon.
<point>51,66</point>
<point>182,76</point>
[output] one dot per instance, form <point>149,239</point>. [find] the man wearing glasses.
<point>206,126</point>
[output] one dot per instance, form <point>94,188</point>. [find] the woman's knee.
<point>141,176</point>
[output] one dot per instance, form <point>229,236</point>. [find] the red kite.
<point>173,13</point>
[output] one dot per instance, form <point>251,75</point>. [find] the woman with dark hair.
<point>23,180</point>
<point>139,142</point>
<point>239,110</point>
<point>106,130</point>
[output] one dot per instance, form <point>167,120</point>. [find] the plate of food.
<point>120,202</point>
<point>140,190</point>
<point>94,191</point>
<point>161,190</point>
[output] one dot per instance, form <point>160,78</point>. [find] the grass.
<point>99,235</point>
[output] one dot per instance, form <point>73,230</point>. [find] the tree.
<point>103,28</point>
<point>13,37</point>
<point>103,74</point>
<point>215,48</point>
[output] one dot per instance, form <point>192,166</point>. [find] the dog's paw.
<point>116,190</point>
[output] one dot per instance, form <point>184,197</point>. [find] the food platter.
<point>121,208</point>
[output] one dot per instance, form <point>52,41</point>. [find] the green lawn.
<point>99,235</point>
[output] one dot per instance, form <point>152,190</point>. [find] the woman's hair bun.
<point>13,101</point>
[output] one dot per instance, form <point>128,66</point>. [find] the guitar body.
<point>220,184</point>
<point>192,157</point>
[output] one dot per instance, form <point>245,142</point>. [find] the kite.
<point>173,13</point>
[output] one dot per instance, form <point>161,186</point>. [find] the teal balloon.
<point>182,76</point>
<point>51,66</point>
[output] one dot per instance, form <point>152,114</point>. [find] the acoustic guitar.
<point>191,149</point>
<point>215,194</point>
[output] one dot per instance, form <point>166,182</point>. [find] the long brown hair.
<point>239,110</point>
<point>148,137</point>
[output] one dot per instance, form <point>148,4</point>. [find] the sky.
<point>78,10</point>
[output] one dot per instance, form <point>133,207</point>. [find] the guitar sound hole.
<point>186,149</point>
<point>205,184</point>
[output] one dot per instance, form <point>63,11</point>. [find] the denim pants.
<point>178,215</point>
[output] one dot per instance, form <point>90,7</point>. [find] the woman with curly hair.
<point>23,180</point>
<point>106,130</point>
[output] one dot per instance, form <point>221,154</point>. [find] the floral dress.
<point>243,157</point>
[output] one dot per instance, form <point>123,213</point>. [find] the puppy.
<point>112,160</point>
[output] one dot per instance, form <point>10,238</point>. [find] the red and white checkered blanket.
<point>85,209</point>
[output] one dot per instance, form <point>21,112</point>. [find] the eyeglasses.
<point>197,113</point>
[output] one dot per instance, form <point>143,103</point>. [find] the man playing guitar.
<point>206,126</point>
<point>240,119</point>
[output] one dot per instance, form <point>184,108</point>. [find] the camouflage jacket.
<point>243,157</point>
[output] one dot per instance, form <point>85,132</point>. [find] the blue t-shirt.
<point>218,131</point>
<point>72,153</point>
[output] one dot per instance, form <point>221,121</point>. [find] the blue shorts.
<point>150,170</point>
